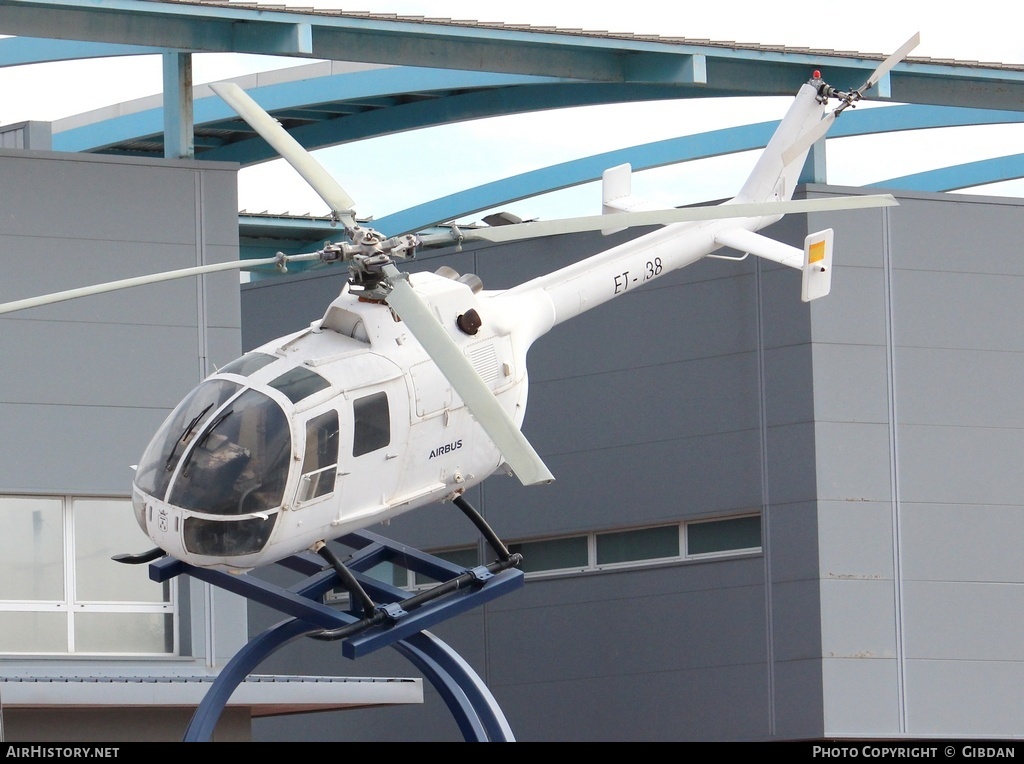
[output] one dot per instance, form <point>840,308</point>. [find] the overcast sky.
<point>446,159</point>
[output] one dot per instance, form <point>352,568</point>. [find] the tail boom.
<point>569,291</point>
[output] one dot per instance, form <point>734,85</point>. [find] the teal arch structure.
<point>959,176</point>
<point>717,143</point>
<point>444,96</point>
<point>543,70</point>
<point>703,145</point>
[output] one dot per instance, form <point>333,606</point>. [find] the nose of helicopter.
<point>211,483</point>
<point>233,543</point>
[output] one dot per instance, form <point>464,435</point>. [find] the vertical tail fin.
<point>773,177</point>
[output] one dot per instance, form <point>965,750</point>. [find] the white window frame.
<point>71,606</point>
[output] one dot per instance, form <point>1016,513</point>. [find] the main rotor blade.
<point>291,150</point>
<point>519,231</point>
<point>155,278</point>
<point>477,396</point>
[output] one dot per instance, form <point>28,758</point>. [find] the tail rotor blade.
<point>891,61</point>
<point>802,144</point>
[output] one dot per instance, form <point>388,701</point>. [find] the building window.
<point>737,534</point>
<point>636,547</point>
<point>467,557</point>
<point>553,554</point>
<point>61,593</point>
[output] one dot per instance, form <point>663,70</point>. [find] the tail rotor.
<point>846,100</point>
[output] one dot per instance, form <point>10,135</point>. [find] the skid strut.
<point>374,615</point>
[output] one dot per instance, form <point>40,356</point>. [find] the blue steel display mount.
<point>397,620</point>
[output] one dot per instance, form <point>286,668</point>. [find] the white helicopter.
<point>412,388</point>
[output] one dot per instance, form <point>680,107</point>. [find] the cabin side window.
<point>372,420</point>
<point>320,464</point>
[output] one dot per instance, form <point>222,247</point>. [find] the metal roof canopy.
<point>598,64</point>
<point>262,695</point>
<point>182,26</point>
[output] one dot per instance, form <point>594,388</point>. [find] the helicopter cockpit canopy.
<point>223,451</point>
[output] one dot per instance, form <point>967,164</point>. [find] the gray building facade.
<point>85,384</point>
<point>874,433</point>
<point>91,650</point>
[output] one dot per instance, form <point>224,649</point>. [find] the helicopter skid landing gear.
<point>375,615</point>
<point>402,624</point>
<point>485,530</point>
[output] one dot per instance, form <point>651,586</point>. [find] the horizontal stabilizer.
<point>814,260</point>
<point>754,243</point>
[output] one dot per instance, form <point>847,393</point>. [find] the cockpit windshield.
<point>239,461</point>
<point>222,451</point>
<point>177,432</point>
